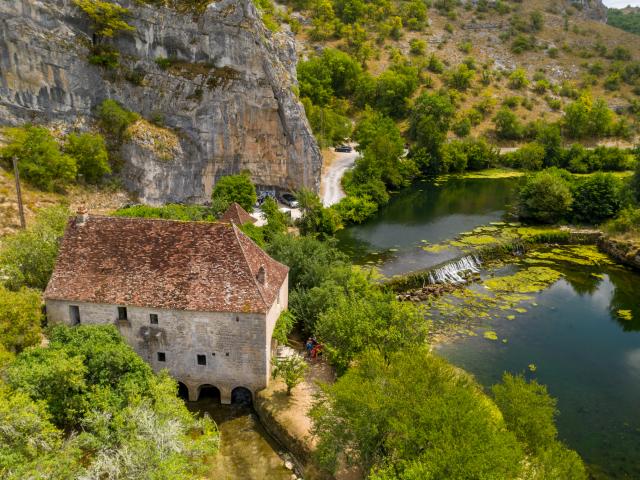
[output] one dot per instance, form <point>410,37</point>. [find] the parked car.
<point>344,149</point>
<point>289,200</point>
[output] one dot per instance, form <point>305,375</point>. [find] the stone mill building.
<point>197,298</point>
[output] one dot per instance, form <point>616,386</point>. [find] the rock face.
<point>625,252</point>
<point>592,9</point>
<point>226,94</point>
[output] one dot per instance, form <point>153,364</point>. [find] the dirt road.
<point>331,189</point>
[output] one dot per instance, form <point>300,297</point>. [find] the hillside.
<point>564,48</point>
<point>625,18</point>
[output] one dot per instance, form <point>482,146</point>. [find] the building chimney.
<point>82,216</point>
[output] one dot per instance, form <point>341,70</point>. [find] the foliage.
<point>429,123</point>
<point>508,126</point>
<point>106,16</point>
<point>114,118</point>
<point>170,211</point>
<point>329,126</point>
<point>545,197</point>
<point>518,79</point>
<point>356,209</point>
<point>27,258</point>
<point>460,77</point>
<point>373,320</point>
<point>20,319</point>
<point>316,219</point>
<point>236,188</point>
<point>597,198</point>
<point>330,74</point>
<point>125,421</point>
<point>291,370</point>
<point>40,160</point>
<point>283,327</point>
<point>413,415</point>
<point>628,221</point>
<point>530,156</point>
<point>90,153</point>
<point>276,220</point>
<point>529,412</point>
<point>629,21</point>
<point>588,118</point>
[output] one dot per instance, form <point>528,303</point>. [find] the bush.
<point>236,188</point>
<point>40,160</point>
<point>528,157</point>
<point>508,126</point>
<point>27,258</point>
<point>356,209</point>
<point>596,198</point>
<point>628,221</point>
<point>545,197</point>
<point>90,153</point>
<point>170,211</point>
<point>115,119</point>
<point>291,370</point>
<point>588,118</point>
<point>518,79</point>
<point>20,319</point>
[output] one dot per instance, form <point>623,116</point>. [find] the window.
<point>226,354</point>
<point>122,313</point>
<point>153,318</point>
<point>202,359</point>
<point>213,354</point>
<point>74,313</point>
<point>237,319</point>
<point>162,357</point>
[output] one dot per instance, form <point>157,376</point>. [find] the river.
<point>580,335</point>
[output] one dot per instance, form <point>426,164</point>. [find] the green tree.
<point>20,319</point>
<point>373,320</point>
<point>291,370</point>
<point>460,77</point>
<point>545,197</point>
<point>276,220</point>
<point>518,79</point>
<point>40,160</point>
<point>27,258</point>
<point>236,188</point>
<point>508,127</point>
<point>90,153</point>
<point>585,117</point>
<point>597,198</point>
<point>316,219</point>
<point>106,16</point>
<point>115,119</point>
<point>332,73</point>
<point>412,415</point>
<point>430,121</point>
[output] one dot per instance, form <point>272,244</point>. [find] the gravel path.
<point>332,190</point>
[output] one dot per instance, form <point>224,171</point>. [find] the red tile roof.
<point>236,214</point>
<point>198,266</point>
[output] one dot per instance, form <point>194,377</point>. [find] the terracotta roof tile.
<point>198,266</point>
<point>236,214</point>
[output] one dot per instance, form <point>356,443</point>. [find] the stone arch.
<point>209,391</point>
<point>183,391</point>
<point>241,396</point>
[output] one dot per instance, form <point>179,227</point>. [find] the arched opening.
<point>183,391</point>
<point>209,392</point>
<point>241,396</point>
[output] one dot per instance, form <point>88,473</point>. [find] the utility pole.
<point>23,224</point>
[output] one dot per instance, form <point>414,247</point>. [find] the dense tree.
<point>236,188</point>
<point>331,74</point>
<point>430,121</point>
<point>597,198</point>
<point>316,219</point>
<point>412,415</point>
<point>125,421</point>
<point>545,197</point>
<point>90,153</point>
<point>588,118</point>
<point>508,126</point>
<point>27,258</point>
<point>40,159</point>
<point>20,319</point>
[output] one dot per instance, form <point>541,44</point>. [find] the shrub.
<point>508,127</point>
<point>545,197</point>
<point>20,319</point>
<point>236,188</point>
<point>90,154</point>
<point>518,79</point>
<point>170,211</point>
<point>356,209</point>
<point>529,157</point>
<point>115,119</point>
<point>106,16</point>
<point>460,78</point>
<point>40,160</point>
<point>291,370</point>
<point>628,221</point>
<point>596,198</point>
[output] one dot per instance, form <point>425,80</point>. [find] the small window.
<point>162,357</point>
<point>226,354</point>
<point>213,354</point>
<point>202,359</point>
<point>153,318</point>
<point>237,319</point>
<point>122,313</point>
<point>74,313</point>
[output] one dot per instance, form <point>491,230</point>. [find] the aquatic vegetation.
<point>435,248</point>
<point>532,367</point>
<point>511,317</point>
<point>529,280</point>
<point>478,240</point>
<point>490,335</point>
<point>626,315</point>
<point>587,255</point>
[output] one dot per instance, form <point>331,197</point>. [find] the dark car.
<point>344,149</point>
<point>289,200</point>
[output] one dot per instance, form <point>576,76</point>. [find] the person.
<point>309,347</point>
<point>317,351</point>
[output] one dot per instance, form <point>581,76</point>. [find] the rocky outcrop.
<point>592,9</point>
<point>623,251</point>
<point>226,93</point>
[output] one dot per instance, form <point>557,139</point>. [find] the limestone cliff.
<point>226,96</point>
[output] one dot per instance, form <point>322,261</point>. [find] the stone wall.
<point>227,94</point>
<point>625,252</point>
<point>237,346</point>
